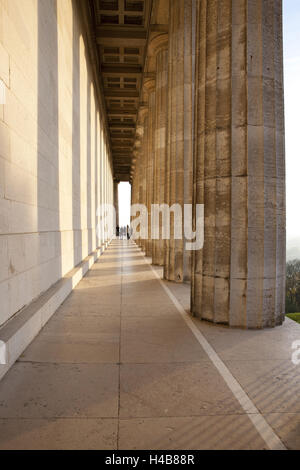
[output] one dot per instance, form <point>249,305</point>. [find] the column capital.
<point>158,43</point>
<point>149,85</point>
<point>137,143</point>
<point>136,161</point>
<point>142,114</point>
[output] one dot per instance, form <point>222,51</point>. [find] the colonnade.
<point>211,132</point>
<point>105,188</point>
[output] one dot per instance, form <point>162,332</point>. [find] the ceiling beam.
<point>116,36</point>
<point>118,32</point>
<point>122,126</point>
<point>122,112</point>
<point>122,155</point>
<point>121,69</point>
<point>109,93</point>
<point>119,42</point>
<point>122,136</point>
<point>121,148</point>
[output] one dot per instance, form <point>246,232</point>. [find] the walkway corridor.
<point>118,367</point>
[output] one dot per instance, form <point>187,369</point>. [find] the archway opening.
<point>124,204</point>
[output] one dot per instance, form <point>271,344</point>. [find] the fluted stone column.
<point>145,165</point>
<point>239,276</point>
<point>142,140</point>
<point>116,201</point>
<point>134,179</point>
<point>140,177</point>
<point>135,190</point>
<point>134,186</point>
<point>149,89</point>
<point>179,166</point>
<point>159,49</point>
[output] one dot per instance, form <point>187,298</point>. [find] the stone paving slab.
<point>58,434</point>
<point>118,367</point>
<point>60,391</point>
<point>190,433</point>
<point>158,390</point>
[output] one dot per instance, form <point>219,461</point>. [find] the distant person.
<point>118,231</point>
<point>128,232</point>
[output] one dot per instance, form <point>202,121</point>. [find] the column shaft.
<point>116,201</point>
<point>179,166</point>
<point>150,158</point>
<point>160,140</point>
<point>143,167</point>
<point>141,180</point>
<point>239,276</point>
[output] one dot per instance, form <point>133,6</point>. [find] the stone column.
<point>116,200</point>
<point>179,166</point>
<point>145,165</point>
<point>105,184</point>
<point>149,90</point>
<point>159,50</point>
<point>142,146</point>
<point>140,182</point>
<point>239,276</point>
<point>133,179</point>
<point>134,184</point>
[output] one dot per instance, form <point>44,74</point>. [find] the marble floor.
<point>122,365</point>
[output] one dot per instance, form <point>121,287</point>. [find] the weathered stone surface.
<point>55,164</point>
<point>179,164</point>
<point>160,45</point>
<point>239,277</point>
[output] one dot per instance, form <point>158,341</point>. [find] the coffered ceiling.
<point>121,31</point>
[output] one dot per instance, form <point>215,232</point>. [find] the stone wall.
<point>55,166</point>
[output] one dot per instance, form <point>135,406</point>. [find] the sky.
<point>124,204</point>
<point>291,15</point>
<point>291,19</point>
